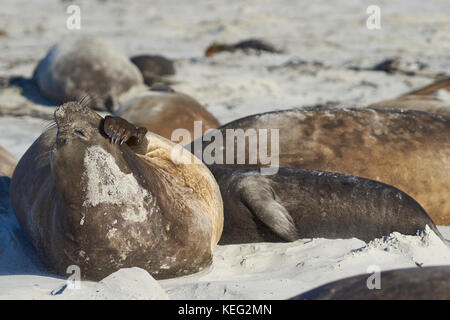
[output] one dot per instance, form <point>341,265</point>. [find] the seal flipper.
<point>121,131</point>
<point>260,199</point>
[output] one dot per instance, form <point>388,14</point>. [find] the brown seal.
<point>86,66</point>
<point>428,283</point>
<point>415,102</point>
<point>7,162</point>
<point>422,99</point>
<point>428,90</point>
<point>100,194</point>
<point>162,111</point>
<point>409,150</point>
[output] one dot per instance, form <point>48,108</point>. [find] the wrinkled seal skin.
<point>7,162</point>
<point>428,283</point>
<point>298,203</point>
<point>85,198</point>
<point>86,66</point>
<point>162,112</point>
<point>409,150</point>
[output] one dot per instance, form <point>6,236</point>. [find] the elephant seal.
<point>428,283</point>
<point>7,162</point>
<point>162,110</point>
<point>429,90</point>
<point>245,45</point>
<point>425,99</point>
<point>299,203</point>
<point>415,102</point>
<point>409,150</point>
<point>100,194</point>
<point>86,66</point>
<point>154,68</point>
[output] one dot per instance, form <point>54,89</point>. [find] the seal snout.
<point>63,114</point>
<point>74,112</point>
<point>69,107</point>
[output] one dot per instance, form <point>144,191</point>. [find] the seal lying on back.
<point>163,110</point>
<point>297,203</point>
<point>7,162</point>
<point>86,66</point>
<point>100,194</point>
<point>429,283</point>
<point>409,150</point>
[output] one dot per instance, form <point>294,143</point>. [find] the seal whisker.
<point>49,124</point>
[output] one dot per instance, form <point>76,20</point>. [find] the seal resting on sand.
<point>428,283</point>
<point>87,66</point>
<point>7,162</point>
<point>103,195</point>
<point>154,68</point>
<point>409,150</point>
<point>162,111</point>
<point>426,99</point>
<point>298,203</point>
<point>245,45</point>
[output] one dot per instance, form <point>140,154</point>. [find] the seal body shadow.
<point>409,150</point>
<point>298,203</point>
<point>85,201</point>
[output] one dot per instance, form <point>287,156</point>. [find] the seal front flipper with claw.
<point>121,131</point>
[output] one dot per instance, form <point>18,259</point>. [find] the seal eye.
<point>80,133</point>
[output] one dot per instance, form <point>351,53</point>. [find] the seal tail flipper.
<point>259,198</point>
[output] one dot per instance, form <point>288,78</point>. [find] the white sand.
<point>232,86</point>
